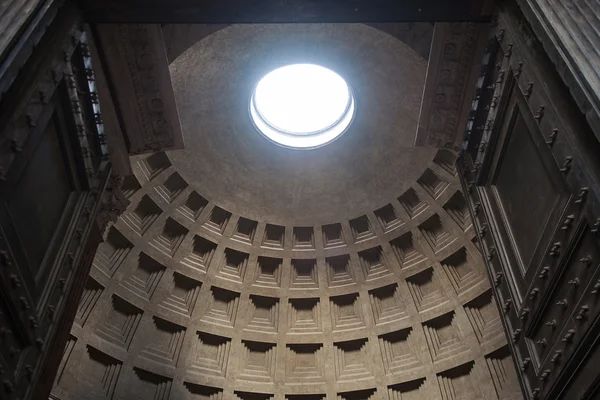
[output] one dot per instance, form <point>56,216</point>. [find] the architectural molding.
<point>112,204</point>
<point>568,32</point>
<point>14,14</point>
<point>530,171</point>
<point>451,76</point>
<point>21,116</point>
<point>22,24</point>
<point>138,74</point>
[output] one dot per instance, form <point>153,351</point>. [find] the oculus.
<point>302,106</point>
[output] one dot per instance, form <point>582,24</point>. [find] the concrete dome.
<point>244,270</point>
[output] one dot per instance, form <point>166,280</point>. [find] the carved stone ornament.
<point>113,203</point>
<point>450,78</point>
<point>138,69</point>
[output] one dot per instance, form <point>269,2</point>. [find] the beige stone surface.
<point>242,270</point>
<point>242,172</point>
<point>186,299</point>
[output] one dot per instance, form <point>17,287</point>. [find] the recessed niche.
<point>183,293</point>
<point>245,230</point>
<point>258,361</point>
<point>304,274</point>
<point>435,233</point>
<point>303,238</point>
<point>304,363</point>
<point>201,254</point>
<point>143,215</point>
<point>446,160</point>
<point>387,304</point>
<point>463,275</point>
<point>212,355</point>
<point>484,317</point>
<point>169,240</point>
<point>130,185</point>
<point>148,385</point>
<point>274,236</point>
<point>154,164</point>
<point>193,206</point>
<point>346,312</point>
<point>217,221</point>
<point>373,264</point>
<point>458,209</point>
<point>443,337</point>
<point>120,322</point>
<point>425,290</point>
<point>268,273</point>
<point>304,316</point>
<point>263,314</point>
<point>99,372</point>
<point>167,340</point>
<point>172,187</point>
<point>361,229</point>
<point>222,307</point>
<point>233,266</point>
<point>411,390</point>
<point>502,369</point>
<point>339,271</point>
<point>388,218</point>
<point>145,278</point>
<point>112,252</point>
<point>333,236</point>
<point>89,298</point>
<point>412,203</point>
<point>352,361</point>
<point>202,392</point>
<point>398,351</point>
<point>407,253</point>
<point>433,184</point>
<point>459,383</point>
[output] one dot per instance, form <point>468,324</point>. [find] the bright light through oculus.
<point>302,106</point>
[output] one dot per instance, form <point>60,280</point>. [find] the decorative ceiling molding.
<point>117,147</point>
<point>138,73</point>
<point>451,76</point>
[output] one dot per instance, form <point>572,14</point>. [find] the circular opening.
<point>302,106</point>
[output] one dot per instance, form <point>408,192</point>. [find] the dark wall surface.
<point>54,177</point>
<point>531,167</point>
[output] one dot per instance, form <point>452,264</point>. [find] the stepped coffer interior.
<point>298,200</point>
